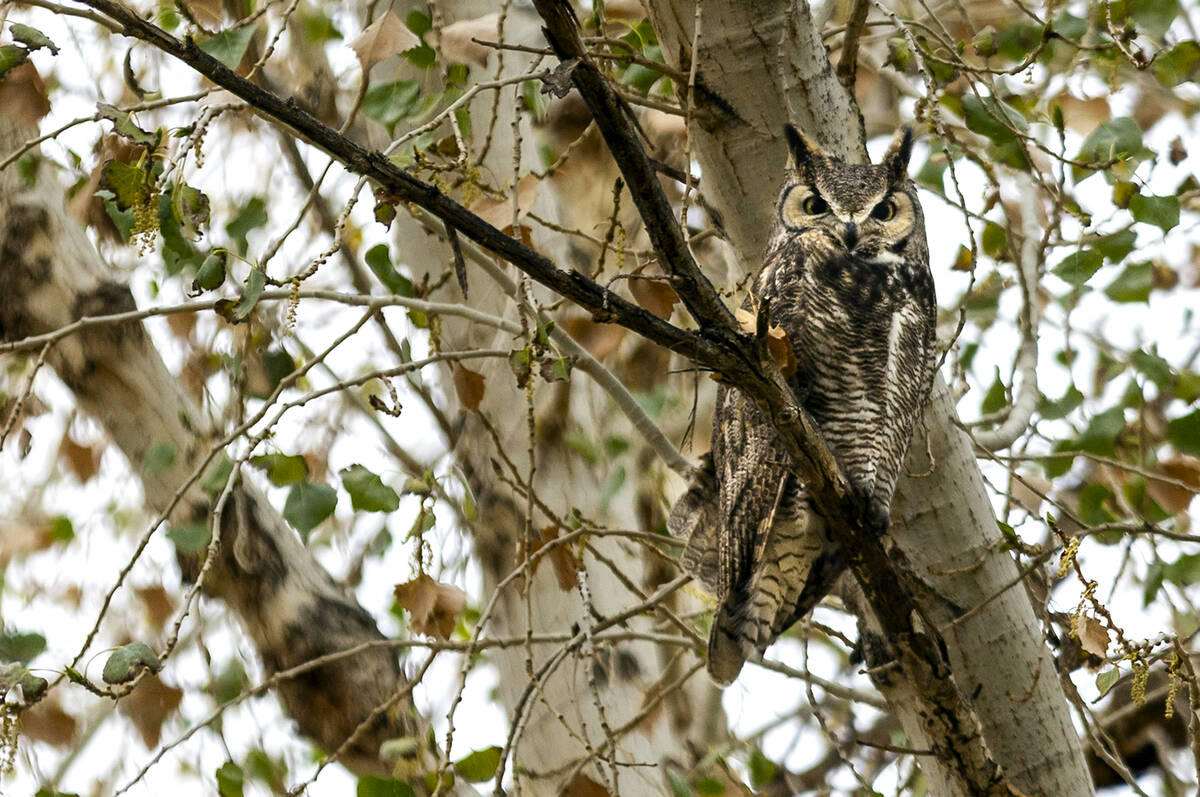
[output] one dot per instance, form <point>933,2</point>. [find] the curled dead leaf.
<point>383,38</point>
<point>433,607</point>
<point>1175,498</point>
<point>654,295</point>
<point>779,345</point>
<point>1093,636</point>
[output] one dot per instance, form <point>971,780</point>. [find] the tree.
<point>508,174</point>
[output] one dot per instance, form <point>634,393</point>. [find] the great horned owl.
<point>847,278</point>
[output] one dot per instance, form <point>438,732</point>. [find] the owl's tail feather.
<point>730,642</point>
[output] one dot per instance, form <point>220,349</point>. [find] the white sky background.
<point>101,545</point>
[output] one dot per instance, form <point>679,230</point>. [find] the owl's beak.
<point>850,235</point>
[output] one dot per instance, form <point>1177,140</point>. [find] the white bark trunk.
<point>761,65</point>
<point>560,719</point>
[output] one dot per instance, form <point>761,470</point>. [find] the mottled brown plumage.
<point>847,278</point>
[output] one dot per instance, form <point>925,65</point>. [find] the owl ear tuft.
<point>896,158</point>
<point>804,152</point>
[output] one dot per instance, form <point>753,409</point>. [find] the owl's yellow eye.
<point>885,210</point>
<point>813,205</point>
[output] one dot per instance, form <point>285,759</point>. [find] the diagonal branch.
<point>613,119</point>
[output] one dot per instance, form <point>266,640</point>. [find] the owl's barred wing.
<point>694,518</point>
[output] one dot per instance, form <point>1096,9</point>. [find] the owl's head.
<point>870,209</point>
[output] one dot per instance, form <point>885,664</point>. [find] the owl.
<point>847,278</point>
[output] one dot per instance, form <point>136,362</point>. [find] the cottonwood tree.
<point>400,322</point>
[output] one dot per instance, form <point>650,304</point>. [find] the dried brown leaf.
<point>23,96</point>
<point>47,722</point>
<point>562,558</point>
<point>149,705</point>
<point>779,345</point>
<point>601,340</point>
<point>468,386</point>
<point>383,38</point>
<point>157,603</point>
<point>182,324</point>
<point>583,786</point>
<point>1028,492</point>
<point>433,607</point>
<point>1172,497</point>
<point>81,460</point>
<point>656,296</point>
<point>1093,636</point>
<point>498,212</point>
<point>456,39</point>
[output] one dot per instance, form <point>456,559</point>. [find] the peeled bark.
<point>943,521</point>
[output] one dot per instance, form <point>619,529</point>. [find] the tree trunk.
<point>761,65</point>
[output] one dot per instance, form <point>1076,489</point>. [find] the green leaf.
<point>32,38</point>
<point>129,184</point>
<point>762,770</point>
<point>189,537</point>
<point>211,273</point>
<point>308,505</point>
<point>1179,64</point>
<point>21,646</point>
<point>159,457</point>
<point>278,364</point>
<point>418,22</point>
<point>1078,267</point>
<point>1133,284</point>
<point>214,481</point>
<point>1117,139</point>
<point>1116,246</point>
<point>375,786</point>
<point>1183,571</point>
<point>1184,433</point>
<point>367,491</point>
<point>996,397</point>
<point>381,266</point>
<point>282,469</point>
<point>121,219</point>
<point>1153,16</point>
<point>250,216</point>
<point>1152,584</point>
<point>388,103</point>
<point>1091,504</point>
<point>124,126</point>
<point>230,780</point>
<point>127,661</point>
<point>678,783</point>
<point>994,240</point>
<point>1106,680</point>
<point>993,118</point>
<point>62,529</point>
<point>255,282</point>
<point>480,765</point>
<point>11,56</point>
<point>1156,369</point>
<point>229,46</point>
<point>230,681</point>
<point>1053,410</point>
<point>709,787</point>
<point>1100,436</point>
<point>1161,211</point>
